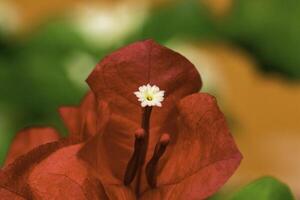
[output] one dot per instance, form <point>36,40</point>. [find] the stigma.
<point>150,95</point>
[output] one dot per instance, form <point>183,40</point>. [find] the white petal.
<point>149,87</point>
<point>144,104</point>
<point>137,94</point>
<point>161,93</point>
<point>158,104</point>
<point>155,89</point>
<point>142,89</point>
<point>159,99</point>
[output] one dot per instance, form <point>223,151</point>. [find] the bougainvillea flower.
<point>200,154</point>
<point>181,150</point>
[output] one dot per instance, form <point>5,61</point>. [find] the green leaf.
<point>266,188</point>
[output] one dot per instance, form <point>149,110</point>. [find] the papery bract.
<point>87,119</point>
<point>15,175</point>
<point>81,121</point>
<point>203,155</point>
<point>28,139</point>
<point>5,193</point>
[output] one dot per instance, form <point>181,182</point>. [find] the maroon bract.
<point>28,139</point>
<point>81,121</point>
<point>182,150</point>
<point>6,194</point>
<point>86,120</point>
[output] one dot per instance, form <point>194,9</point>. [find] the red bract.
<point>118,150</point>
<point>28,139</point>
<point>81,121</point>
<point>86,120</point>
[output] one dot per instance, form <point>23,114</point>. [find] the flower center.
<point>149,98</point>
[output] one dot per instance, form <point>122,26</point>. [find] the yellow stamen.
<point>149,98</point>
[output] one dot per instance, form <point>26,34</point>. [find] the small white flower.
<point>150,95</point>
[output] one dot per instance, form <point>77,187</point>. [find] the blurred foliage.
<point>266,188</point>
<point>217,196</point>
<point>270,30</point>
<point>36,77</point>
<point>33,77</point>
<point>187,19</point>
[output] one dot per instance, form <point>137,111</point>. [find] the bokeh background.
<point>247,51</point>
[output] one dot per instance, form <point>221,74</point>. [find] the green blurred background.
<point>247,52</point>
